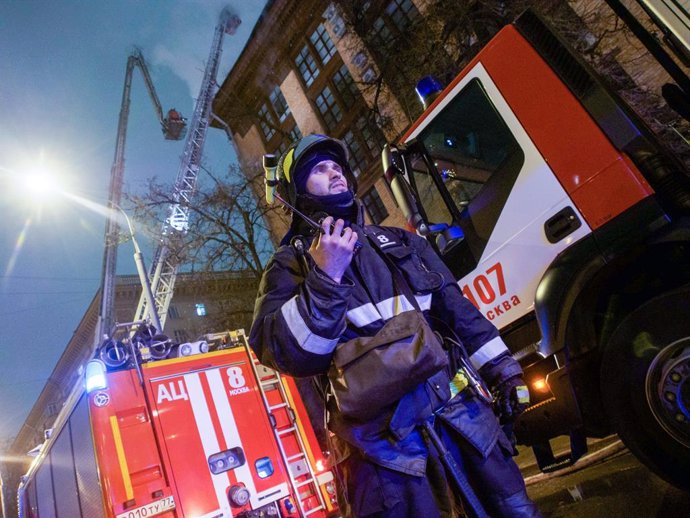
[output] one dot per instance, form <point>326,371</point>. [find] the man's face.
<point>326,178</point>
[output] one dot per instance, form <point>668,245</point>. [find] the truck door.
<point>477,168</point>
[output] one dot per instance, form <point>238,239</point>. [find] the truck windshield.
<point>469,143</point>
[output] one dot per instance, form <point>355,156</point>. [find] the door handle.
<point>561,224</point>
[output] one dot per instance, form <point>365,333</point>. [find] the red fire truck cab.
<point>568,227</point>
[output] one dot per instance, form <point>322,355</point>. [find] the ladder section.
<point>164,267</point>
<point>290,441</point>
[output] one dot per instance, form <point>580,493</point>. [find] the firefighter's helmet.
<point>291,163</point>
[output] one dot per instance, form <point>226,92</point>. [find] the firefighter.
<point>316,292</point>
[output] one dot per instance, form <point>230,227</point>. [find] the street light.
<point>141,270</point>
<point>39,183</point>
<point>109,259</point>
<point>39,180</point>
<point>38,177</point>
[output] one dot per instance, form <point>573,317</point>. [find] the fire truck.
<point>568,226</point>
<point>206,432</point>
<point>176,430</point>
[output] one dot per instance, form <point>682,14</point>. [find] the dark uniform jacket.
<point>300,318</point>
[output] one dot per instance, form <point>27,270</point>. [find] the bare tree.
<point>438,42</point>
<point>227,226</point>
<point>447,35</point>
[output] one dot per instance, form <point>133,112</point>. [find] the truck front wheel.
<point>646,384</point>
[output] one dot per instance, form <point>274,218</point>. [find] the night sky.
<point>62,68</point>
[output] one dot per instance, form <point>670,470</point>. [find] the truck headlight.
<point>238,496</point>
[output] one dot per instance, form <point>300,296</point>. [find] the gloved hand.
<point>512,398</point>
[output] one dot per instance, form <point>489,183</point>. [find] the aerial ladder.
<point>164,267</point>
<point>173,126</point>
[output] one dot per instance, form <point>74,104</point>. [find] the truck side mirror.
<point>447,236</point>
<point>394,172</point>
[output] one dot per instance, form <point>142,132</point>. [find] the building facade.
<point>303,72</point>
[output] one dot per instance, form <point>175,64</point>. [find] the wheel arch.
<point>587,292</point>
<point>639,255</point>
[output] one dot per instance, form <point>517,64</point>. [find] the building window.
<point>358,160</point>
<point>277,124</point>
<point>329,108</point>
<point>267,123</point>
<point>200,309</point>
<point>279,104</point>
<point>380,34</point>
<point>306,64</point>
<point>365,142</point>
<point>181,336</point>
<point>173,314</point>
<point>337,97</point>
<point>402,13</point>
<point>322,44</point>
<point>295,133</point>
<point>395,20</point>
<point>52,409</point>
<point>374,205</point>
<point>345,86</point>
<point>371,135</point>
<point>292,136</point>
<point>319,45</point>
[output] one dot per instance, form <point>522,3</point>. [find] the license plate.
<point>152,509</point>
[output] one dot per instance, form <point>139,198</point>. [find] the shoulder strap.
<point>399,281</point>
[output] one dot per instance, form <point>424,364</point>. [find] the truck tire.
<point>646,385</point>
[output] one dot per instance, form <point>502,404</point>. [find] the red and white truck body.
<point>567,225</point>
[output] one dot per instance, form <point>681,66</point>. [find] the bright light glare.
<point>41,183</point>
<point>95,376</point>
<point>36,180</point>
<point>540,385</point>
<point>18,245</point>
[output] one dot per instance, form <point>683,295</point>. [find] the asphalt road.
<point>609,482</point>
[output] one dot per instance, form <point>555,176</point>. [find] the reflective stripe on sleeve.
<point>393,306</point>
<point>424,301</point>
<point>307,340</point>
<point>363,315</point>
<point>386,309</point>
<point>488,352</point>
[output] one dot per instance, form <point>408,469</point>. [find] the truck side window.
<point>429,195</point>
<point>477,159</point>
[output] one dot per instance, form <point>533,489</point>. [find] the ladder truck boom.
<point>136,59</point>
<point>174,124</point>
<point>149,85</point>
<point>164,267</point>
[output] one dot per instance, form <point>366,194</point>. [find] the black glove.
<point>512,398</point>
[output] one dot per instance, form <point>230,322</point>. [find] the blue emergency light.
<point>95,376</point>
<point>428,89</point>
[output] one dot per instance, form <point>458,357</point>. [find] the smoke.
<point>191,25</point>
